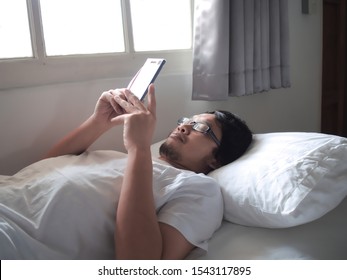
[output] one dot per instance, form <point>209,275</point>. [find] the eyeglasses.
<point>199,127</point>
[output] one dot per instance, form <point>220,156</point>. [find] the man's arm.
<point>89,131</point>
<point>138,234</point>
<point>175,246</point>
<point>78,140</point>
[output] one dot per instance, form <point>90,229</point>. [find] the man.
<point>163,209</point>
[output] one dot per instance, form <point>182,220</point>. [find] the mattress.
<point>322,239</point>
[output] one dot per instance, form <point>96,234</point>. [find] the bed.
<point>284,199</point>
<point>322,239</point>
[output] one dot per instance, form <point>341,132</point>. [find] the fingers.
<point>125,102</point>
<point>109,96</point>
<point>152,103</point>
<point>129,102</point>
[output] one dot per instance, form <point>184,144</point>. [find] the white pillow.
<point>285,179</point>
<point>155,148</point>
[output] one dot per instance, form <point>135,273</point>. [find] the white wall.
<point>32,119</point>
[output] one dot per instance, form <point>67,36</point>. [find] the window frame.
<point>42,70</point>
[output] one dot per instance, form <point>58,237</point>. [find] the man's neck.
<point>172,163</point>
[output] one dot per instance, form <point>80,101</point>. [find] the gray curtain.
<point>241,47</point>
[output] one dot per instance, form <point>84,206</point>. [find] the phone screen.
<point>145,76</point>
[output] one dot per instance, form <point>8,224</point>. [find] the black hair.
<point>236,137</point>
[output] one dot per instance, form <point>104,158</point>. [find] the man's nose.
<point>184,128</point>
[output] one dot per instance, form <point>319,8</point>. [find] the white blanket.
<point>54,208</point>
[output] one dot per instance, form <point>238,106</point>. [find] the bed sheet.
<point>322,239</point>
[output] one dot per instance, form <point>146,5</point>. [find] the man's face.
<point>189,149</point>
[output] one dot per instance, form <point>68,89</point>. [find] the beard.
<point>167,151</point>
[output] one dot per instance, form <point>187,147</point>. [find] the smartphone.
<point>145,76</point>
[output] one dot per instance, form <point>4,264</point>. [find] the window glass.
<point>14,29</point>
<point>82,26</point>
<point>57,33</point>
<point>161,24</point>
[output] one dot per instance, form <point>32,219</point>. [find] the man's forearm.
<point>78,140</point>
<point>138,234</point>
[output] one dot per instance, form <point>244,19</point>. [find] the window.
<point>53,41</point>
<point>14,30</point>
<point>82,26</point>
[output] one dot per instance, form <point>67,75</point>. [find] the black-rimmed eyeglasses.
<point>199,127</point>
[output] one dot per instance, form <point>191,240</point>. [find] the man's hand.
<point>139,120</point>
<point>103,118</point>
<point>107,108</point>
